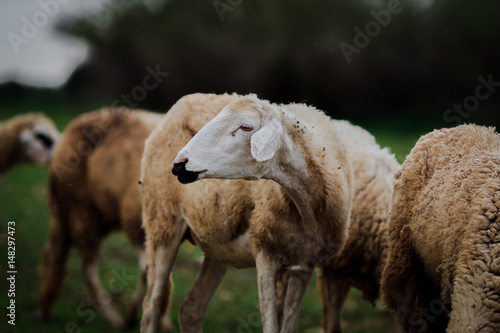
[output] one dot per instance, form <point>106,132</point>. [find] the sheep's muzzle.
<point>183,175</point>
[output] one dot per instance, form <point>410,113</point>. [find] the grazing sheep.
<point>361,262</point>
<point>445,226</point>
<point>94,191</point>
<point>28,138</point>
<point>290,224</point>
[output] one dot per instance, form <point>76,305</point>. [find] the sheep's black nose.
<point>46,140</point>
<point>179,168</point>
<point>183,175</point>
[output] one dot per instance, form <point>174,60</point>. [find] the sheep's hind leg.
<point>97,293</point>
<point>159,279</point>
<point>298,280</point>
<point>194,306</point>
<point>333,289</point>
<point>53,268</point>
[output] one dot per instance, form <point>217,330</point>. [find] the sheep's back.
<point>96,166</point>
<point>453,209</point>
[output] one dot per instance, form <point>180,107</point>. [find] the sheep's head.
<point>238,143</point>
<point>37,139</point>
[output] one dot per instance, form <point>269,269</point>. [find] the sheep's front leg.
<point>131,317</point>
<point>161,259</point>
<point>138,297</point>
<point>267,272</point>
<point>298,280</point>
<point>194,306</point>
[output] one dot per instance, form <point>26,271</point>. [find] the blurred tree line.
<point>414,64</point>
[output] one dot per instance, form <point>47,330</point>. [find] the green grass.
<point>234,308</point>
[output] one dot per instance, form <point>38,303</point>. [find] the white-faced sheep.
<point>28,138</point>
<point>362,260</point>
<point>290,224</point>
<point>94,191</point>
<point>444,225</point>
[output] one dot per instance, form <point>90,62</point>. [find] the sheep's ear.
<point>265,141</point>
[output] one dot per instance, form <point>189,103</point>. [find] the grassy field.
<point>234,308</point>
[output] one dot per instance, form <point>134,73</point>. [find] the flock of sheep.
<point>425,236</point>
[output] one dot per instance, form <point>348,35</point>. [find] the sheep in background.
<point>94,191</point>
<point>27,138</point>
<point>291,223</point>
<point>445,226</point>
<point>362,260</point>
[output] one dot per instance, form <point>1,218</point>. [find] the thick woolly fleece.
<point>445,225</point>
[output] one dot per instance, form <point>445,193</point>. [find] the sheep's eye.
<point>246,128</point>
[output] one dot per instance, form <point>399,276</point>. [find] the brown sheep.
<point>94,191</point>
<point>444,227</point>
<point>27,138</point>
<point>233,221</point>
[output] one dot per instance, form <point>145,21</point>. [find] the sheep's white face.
<point>236,144</point>
<point>37,143</point>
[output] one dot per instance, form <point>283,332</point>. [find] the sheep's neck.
<point>302,197</point>
<point>296,179</point>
